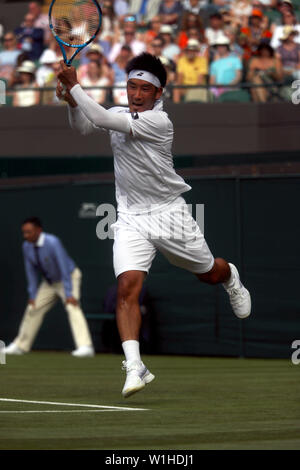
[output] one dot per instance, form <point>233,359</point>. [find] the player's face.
<point>30,232</point>
<point>141,95</point>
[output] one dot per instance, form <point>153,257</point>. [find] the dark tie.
<point>39,264</point>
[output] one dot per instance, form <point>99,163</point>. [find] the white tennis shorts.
<point>172,231</point>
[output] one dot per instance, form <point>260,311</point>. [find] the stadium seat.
<point>240,96</point>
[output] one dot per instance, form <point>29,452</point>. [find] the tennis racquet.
<point>74,24</point>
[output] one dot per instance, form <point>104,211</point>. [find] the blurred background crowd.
<point>213,50</point>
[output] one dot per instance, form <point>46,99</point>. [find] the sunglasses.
<point>8,39</point>
<point>129,19</point>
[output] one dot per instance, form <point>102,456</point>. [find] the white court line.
<point>121,408</point>
<point>60,411</point>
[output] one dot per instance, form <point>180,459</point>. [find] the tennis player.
<point>152,214</point>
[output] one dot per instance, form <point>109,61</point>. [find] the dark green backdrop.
<point>251,221</point>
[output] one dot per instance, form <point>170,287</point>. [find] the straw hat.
<point>26,67</point>
<point>193,45</point>
<point>287,31</point>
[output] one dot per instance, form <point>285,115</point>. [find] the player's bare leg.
<point>227,274</point>
<point>129,323</point>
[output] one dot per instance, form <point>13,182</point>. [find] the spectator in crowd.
<point>189,21</point>
<point>288,19</point>
<point>191,70</point>
<point>241,9</point>
<point>157,46</point>
<point>194,6</point>
<point>264,68</point>
<point>215,29</point>
<point>9,55</point>
<point>22,96</point>
<point>234,47</point>
<point>243,42</point>
<point>110,24</point>
<point>30,39</point>
<point>171,77</point>
<point>95,78</point>
<point>143,10</point>
<point>95,54</point>
<point>120,94</point>
<point>129,39</point>
<point>41,20</point>
<point>278,9</point>
<point>152,31</point>
<point>120,63</point>
<point>170,50</point>
<point>289,53</point>
<point>120,8</point>
<point>170,12</point>
<point>47,59</point>
<point>231,21</point>
<point>226,69</point>
<point>49,96</point>
<point>257,29</point>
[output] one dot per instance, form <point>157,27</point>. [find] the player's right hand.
<point>64,95</point>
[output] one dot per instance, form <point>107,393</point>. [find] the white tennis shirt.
<point>145,177</point>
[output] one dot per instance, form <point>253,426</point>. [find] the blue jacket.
<point>54,260</point>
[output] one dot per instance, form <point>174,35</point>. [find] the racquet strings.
<point>75,21</point>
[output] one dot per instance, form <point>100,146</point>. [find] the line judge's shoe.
<point>13,349</point>
<point>239,296</point>
<point>137,376</point>
<point>83,351</point>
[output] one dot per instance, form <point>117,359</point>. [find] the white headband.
<point>143,75</point>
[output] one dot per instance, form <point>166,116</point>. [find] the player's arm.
<point>93,111</point>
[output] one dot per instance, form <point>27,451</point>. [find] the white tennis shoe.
<point>137,376</point>
<point>83,351</point>
<point>14,350</point>
<point>239,296</point>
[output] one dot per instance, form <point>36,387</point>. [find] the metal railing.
<point>275,90</point>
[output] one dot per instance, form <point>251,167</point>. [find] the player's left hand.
<point>71,300</point>
<point>67,75</point>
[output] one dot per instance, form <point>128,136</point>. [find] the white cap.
<point>95,48</point>
<point>27,66</point>
<point>166,29</point>
<point>193,44</point>
<point>48,57</point>
<point>164,60</point>
<point>222,41</point>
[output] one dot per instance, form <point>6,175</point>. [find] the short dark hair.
<point>33,220</point>
<point>149,63</point>
<point>265,45</point>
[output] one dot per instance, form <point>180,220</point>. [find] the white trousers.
<point>46,298</point>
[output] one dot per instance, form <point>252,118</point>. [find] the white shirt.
<point>144,173</point>
<point>145,177</point>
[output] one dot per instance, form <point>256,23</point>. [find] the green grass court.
<point>194,403</point>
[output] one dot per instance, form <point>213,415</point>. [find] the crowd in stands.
<point>213,50</point>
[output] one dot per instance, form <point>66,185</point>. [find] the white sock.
<point>131,350</point>
<point>228,284</point>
